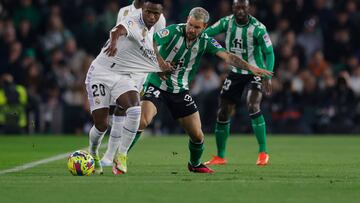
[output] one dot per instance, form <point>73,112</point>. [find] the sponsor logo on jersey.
<point>163,33</point>
<point>267,40</point>
<point>216,43</point>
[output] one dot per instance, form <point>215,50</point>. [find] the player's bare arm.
<point>115,33</point>
<point>164,66</point>
<point>236,61</point>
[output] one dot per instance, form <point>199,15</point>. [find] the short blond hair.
<point>200,14</point>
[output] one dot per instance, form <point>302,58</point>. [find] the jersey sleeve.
<point>161,24</point>
<point>165,35</point>
<point>267,48</point>
<point>130,26</point>
<point>120,16</point>
<point>217,28</point>
<point>213,46</point>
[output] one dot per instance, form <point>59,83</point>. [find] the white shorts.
<point>104,86</point>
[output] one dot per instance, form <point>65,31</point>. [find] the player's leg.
<point>253,100</point>
<point>230,95</point>
<point>192,126</point>
<point>140,80</point>
<point>130,102</point>
<point>118,118</point>
<point>96,135</point>
<point>148,112</point>
<point>99,99</point>
<point>151,100</point>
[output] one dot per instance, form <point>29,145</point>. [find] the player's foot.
<point>200,169</point>
<point>98,166</point>
<point>106,162</point>
<point>263,159</point>
<point>120,165</point>
<point>216,160</point>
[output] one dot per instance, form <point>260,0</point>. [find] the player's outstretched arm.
<point>164,66</point>
<point>236,61</point>
<point>115,33</point>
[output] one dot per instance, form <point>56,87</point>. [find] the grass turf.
<point>303,169</point>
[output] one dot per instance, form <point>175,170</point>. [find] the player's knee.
<point>134,113</point>
<point>144,122</point>
<point>197,136</point>
<point>101,126</point>
<point>253,108</point>
<point>223,114</point>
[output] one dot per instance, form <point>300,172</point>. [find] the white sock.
<point>131,125</point>
<point>110,119</point>
<point>95,138</point>
<point>114,139</point>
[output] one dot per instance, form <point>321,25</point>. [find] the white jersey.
<point>131,10</point>
<point>135,52</point>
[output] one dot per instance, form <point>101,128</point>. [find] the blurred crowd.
<point>46,47</point>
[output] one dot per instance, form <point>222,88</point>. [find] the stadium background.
<point>47,46</point>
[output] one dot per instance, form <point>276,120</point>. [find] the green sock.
<point>222,131</point>
<point>259,128</point>
<point>196,151</point>
<point>137,136</point>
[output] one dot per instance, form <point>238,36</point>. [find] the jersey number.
<point>227,84</point>
<point>96,89</point>
<point>156,93</point>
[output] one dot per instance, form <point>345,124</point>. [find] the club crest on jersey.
<point>163,33</point>
<point>126,13</point>
<point>97,100</point>
<point>130,23</point>
<point>267,40</point>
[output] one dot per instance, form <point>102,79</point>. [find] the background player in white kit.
<point>112,74</point>
<point>117,115</point>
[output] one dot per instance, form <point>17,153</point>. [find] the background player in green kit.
<point>183,46</point>
<point>247,38</point>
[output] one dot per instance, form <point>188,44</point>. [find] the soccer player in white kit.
<point>113,74</point>
<point>117,118</point>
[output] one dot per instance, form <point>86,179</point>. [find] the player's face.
<point>194,28</point>
<point>151,13</point>
<point>241,10</point>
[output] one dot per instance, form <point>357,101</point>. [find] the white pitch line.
<point>36,163</point>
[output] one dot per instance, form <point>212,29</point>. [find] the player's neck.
<point>243,21</point>
<point>189,42</point>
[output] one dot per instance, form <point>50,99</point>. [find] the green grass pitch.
<point>302,169</point>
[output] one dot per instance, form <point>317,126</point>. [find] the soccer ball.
<point>81,163</point>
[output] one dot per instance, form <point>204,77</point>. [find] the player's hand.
<point>267,86</point>
<point>260,72</point>
<point>111,49</point>
<point>165,66</point>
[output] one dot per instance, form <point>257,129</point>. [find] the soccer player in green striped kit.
<point>183,45</point>
<point>246,37</point>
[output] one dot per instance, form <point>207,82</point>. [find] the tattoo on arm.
<point>238,62</point>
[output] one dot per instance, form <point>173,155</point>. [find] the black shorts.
<point>235,84</point>
<point>180,104</point>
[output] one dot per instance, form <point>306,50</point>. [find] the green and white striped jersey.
<point>172,47</point>
<point>250,41</point>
